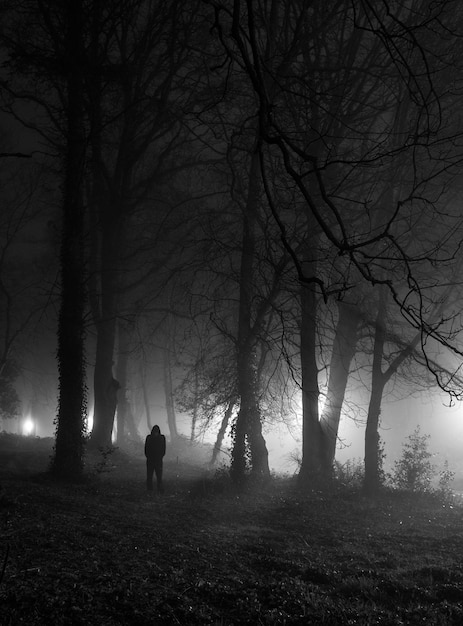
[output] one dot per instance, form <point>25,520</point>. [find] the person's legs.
<point>158,470</point>
<point>149,474</point>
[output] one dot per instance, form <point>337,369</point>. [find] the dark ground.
<point>104,552</point>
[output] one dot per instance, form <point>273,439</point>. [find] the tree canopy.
<point>253,197</point>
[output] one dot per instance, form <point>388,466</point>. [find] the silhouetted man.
<point>155,449</point>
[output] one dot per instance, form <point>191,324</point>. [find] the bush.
<point>349,474</point>
<point>414,470</point>
<point>446,477</point>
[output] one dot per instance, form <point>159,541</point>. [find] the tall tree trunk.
<point>146,400</point>
<point>121,375</point>
<point>238,462</point>
<point>222,430</point>
<point>109,210</point>
<point>169,393</point>
<point>311,466</point>
<point>132,430</point>
<point>105,227</point>
<point>344,346</point>
<point>372,481</point>
<point>103,420</point>
<point>68,456</point>
<point>248,423</point>
<point>378,381</point>
<point>194,417</point>
<point>249,417</point>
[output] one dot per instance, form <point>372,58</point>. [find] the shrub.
<point>349,474</point>
<point>446,477</point>
<point>414,470</point>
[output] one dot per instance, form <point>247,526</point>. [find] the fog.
<point>400,418</point>
<point>431,412</point>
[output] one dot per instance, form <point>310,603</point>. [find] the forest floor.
<point>105,553</point>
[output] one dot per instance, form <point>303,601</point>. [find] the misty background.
<point>210,189</point>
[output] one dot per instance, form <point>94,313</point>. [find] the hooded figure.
<point>155,449</point>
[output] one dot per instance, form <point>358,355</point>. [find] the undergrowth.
<point>104,552</point>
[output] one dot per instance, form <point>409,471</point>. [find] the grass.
<point>105,553</point>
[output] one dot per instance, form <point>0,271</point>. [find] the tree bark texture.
<point>102,379</point>
<point>108,208</point>
<point>68,456</point>
<point>343,351</point>
<point>194,417</point>
<point>109,233</point>
<point>222,430</point>
<point>248,425</point>
<point>146,400</point>
<point>311,466</point>
<point>378,381</point>
<point>121,376</point>
<point>169,394</point>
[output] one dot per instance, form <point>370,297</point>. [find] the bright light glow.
<point>114,431</point>
<point>297,404</point>
<point>89,425</point>
<point>28,426</point>
<point>89,422</point>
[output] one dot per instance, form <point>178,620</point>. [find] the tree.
<point>338,140</point>
<point>68,458</point>
<point>140,142</point>
<point>343,351</point>
<point>309,133</point>
<point>52,55</point>
<point>248,422</point>
<point>21,274</point>
<point>402,351</point>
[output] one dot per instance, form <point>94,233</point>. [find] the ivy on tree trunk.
<point>68,455</point>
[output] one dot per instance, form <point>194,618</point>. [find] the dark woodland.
<point>231,220</point>
<point>205,552</point>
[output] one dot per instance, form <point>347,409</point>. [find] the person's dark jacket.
<point>155,447</point>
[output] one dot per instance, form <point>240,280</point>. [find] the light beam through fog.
<point>28,426</point>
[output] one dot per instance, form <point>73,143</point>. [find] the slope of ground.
<point>106,553</point>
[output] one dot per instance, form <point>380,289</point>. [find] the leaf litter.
<point>104,552</point>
